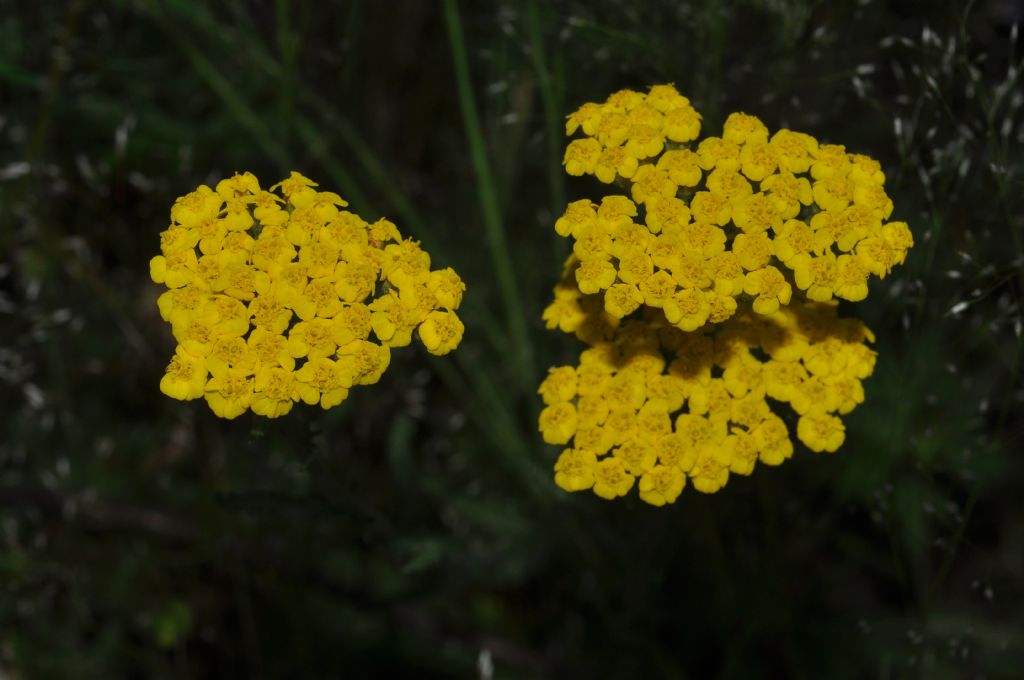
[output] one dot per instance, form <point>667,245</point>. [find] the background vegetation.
<point>416,528</point>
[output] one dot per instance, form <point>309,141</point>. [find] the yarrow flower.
<point>798,217</point>
<point>278,296</point>
<point>670,406</point>
<point>707,293</point>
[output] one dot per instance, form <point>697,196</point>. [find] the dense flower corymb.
<point>283,295</point>
<point>750,214</point>
<point>673,406</point>
<point>707,293</point>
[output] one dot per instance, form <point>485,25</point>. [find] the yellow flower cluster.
<point>744,216</point>
<point>273,297</point>
<point>708,295</point>
<point>660,405</point>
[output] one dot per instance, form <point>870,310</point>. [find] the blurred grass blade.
<point>552,101</point>
<point>493,228</point>
<point>346,183</point>
<point>494,420</point>
<point>235,103</point>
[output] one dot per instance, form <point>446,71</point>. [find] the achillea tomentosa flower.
<point>273,297</point>
<point>659,406</point>
<point>745,215</point>
<point>707,293</point>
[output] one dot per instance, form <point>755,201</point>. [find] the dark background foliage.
<point>416,529</point>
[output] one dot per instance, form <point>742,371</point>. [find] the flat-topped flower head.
<point>643,408</point>
<point>804,220</point>
<point>705,284</point>
<point>282,295</point>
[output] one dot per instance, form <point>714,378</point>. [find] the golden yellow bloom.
<point>559,385</point>
<point>796,238</point>
<point>688,309</point>
<point>710,207</point>
<point>270,349</point>
<point>364,361</point>
<point>587,117</point>
<point>788,192</point>
<point>741,451</point>
<point>851,279</point>
<point>657,288</point>
<point>637,452</point>
<point>795,150</point>
<point>726,273</point>
<point>613,128</point>
<point>753,251</point>
<point>621,425</point>
<point>575,470</point>
<point>594,243</point>
<point>322,380</point>
<point>393,320</point>
<point>710,471</point>
<point>691,271</point>
<point>230,353</point>
<point>644,141</point>
<point>816,275</point>
<point>558,423</point>
<point>650,184</point>
<point>239,186</point>
<point>581,156</point>
<point>721,307</point>
<point>728,184</point>
<point>899,237</point>
<point>830,161</point>
<point>615,162</point>
<point>611,478</point>
<point>742,128</point>
<point>622,399</point>
<point>185,376</point>
<point>662,484</point>
<point>202,205</point>
<point>769,288</point>
<point>313,339</point>
<point>622,299</point>
<point>258,279</point>
<point>275,392</point>
<point>715,152</point>
<point>865,170</point>
<point>230,392</point>
<point>629,237</point>
<point>175,269</point>
<point>666,213</point>
<point>682,124</point>
<point>873,198</point>
<point>772,440</point>
<point>758,160</point>
<point>441,332</point>
<point>635,266</point>
<point>704,295</point>
<point>270,310</point>
<point>595,275</point>
<point>682,166</point>
<point>821,432</point>
<point>666,98</point>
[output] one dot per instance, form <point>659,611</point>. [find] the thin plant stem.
<point>492,221</point>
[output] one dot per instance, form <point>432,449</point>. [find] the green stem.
<point>286,88</point>
<point>552,108</point>
<point>492,221</point>
<point>246,116</point>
